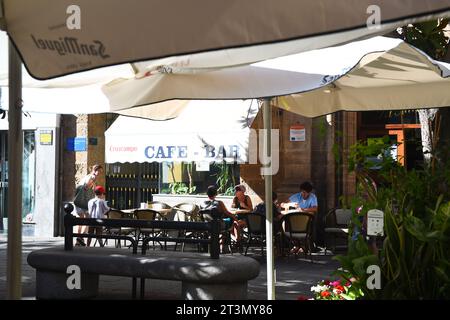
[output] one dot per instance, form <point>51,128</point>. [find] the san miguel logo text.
<point>70,45</point>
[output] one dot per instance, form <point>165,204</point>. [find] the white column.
<point>267,114</point>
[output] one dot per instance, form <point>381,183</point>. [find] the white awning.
<point>210,131</point>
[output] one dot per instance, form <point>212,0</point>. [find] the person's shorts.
<point>81,212</point>
<point>228,223</point>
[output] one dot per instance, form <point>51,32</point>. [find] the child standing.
<point>97,208</point>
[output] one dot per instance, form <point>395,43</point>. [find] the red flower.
<point>340,288</point>
<point>348,284</point>
<point>326,282</point>
<point>325,294</point>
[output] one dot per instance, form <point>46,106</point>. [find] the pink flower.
<point>335,283</point>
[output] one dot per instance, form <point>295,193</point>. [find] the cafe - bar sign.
<point>297,132</point>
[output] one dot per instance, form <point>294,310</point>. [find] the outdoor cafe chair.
<point>186,212</point>
<point>158,205</point>
<point>256,230</point>
<point>336,223</point>
<point>119,214</point>
<point>297,229</point>
<point>147,214</point>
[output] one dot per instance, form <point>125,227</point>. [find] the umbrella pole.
<point>268,200</point>
<point>15,150</point>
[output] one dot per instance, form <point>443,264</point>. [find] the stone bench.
<point>202,278</point>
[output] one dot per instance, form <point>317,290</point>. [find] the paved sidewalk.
<point>294,276</point>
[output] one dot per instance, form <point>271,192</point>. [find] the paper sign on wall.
<point>202,166</point>
<point>46,137</point>
<point>375,222</point>
<point>297,133</point>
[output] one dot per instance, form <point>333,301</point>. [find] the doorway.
<point>3,177</point>
<point>28,176</point>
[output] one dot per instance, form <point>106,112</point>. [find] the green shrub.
<point>415,254</point>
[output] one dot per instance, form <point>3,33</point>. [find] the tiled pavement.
<point>294,276</point>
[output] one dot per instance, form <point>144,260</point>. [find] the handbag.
<point>82,197</point>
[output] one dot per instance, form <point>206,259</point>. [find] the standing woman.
<point>84,193</point>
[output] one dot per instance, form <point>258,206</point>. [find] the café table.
<point>239,211</point>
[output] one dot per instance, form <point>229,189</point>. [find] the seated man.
<point>304,200</point>
<point>230,220</point>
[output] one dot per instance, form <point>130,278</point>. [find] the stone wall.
<point>77,164</point>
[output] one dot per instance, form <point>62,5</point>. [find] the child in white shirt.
<point>97,209</point>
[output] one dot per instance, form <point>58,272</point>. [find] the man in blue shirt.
<point>305,199</point>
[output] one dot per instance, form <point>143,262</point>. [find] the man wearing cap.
<point>97,209</point>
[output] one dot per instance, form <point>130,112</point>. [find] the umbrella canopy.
<point>373,74</point>
<point>205,131</point>
<point>55,38</point>
<point>79,93</point>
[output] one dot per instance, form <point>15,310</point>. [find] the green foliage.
<point>229,191</point>
<point>415,253</point>
<point>428,36</point>
<point>225,178</point>
<point>181,188</point>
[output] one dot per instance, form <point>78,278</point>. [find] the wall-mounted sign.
<point>375,222</point>
<point>297,132</point>
<point>202,166</point>
<point>46,137</point>
<point>76,144</point>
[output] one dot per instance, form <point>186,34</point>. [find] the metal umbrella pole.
<point>15,150</point>
<point>267,172</point>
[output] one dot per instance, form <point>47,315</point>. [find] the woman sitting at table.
<point>241,200</point>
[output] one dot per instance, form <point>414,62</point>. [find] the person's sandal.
<point>80,242</point>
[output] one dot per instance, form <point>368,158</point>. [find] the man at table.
<point>305,200</point>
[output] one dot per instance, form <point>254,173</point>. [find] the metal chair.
<point>119,214</point>
<point>256,230</point>
<point>186,212</point>
<point>147,214</point>
<point>297,229</point>
<point>337,222</point>
<point>158,205</point>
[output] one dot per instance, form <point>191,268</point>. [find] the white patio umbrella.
<point>55,38</point>
<point>58,38</point>
<point>375,74</point>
